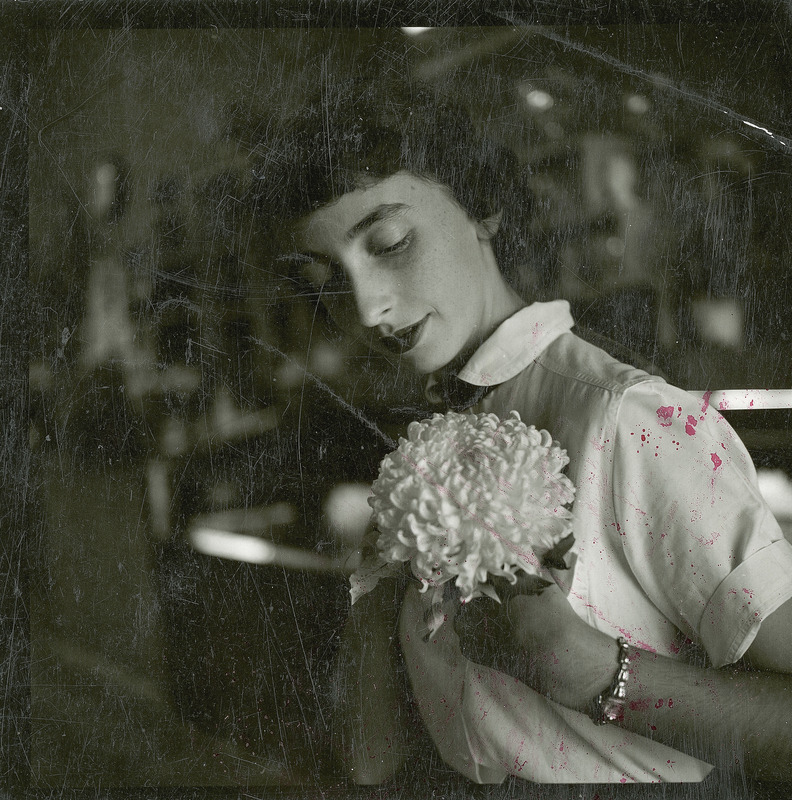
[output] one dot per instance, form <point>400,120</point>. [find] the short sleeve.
<point>694,528</point>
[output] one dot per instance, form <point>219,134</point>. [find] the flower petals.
<point>465,495</point>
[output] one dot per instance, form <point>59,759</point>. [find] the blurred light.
<point>776,488</point>
<point>158,489</point>
<point>748,399</point>
<point>637,104</point>
<point>104,188</point>
<point>254,550</point>
<point>326,360</point>
<point>236,546</point>
<point>539,100</point>
<point>290,375</point>
<point>348,512</point>
<point>719,321</point>
<point>414,31</point>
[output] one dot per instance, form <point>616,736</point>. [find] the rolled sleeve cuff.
<point>743,600</point>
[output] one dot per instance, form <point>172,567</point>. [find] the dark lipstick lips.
<point>404,339</point>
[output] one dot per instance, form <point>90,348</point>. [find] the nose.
<point>374,298</point>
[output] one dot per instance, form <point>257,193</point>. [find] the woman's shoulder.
<point>596,361</point>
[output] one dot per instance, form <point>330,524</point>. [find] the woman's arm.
<point>370,726</point>
<point>729,717</point>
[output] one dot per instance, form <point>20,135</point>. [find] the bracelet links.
<point>609,706</point>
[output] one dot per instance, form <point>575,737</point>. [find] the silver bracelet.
<point>609,706</point>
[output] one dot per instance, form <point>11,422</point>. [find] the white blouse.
<point>674,549</point>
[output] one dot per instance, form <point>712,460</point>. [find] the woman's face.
<point>403,260</point>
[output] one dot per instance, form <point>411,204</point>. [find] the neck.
<point>502,302</point>
<point>505,304</point>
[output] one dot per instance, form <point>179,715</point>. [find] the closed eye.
<point>396,247</point>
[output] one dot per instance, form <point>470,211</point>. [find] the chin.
<point>426,366</point>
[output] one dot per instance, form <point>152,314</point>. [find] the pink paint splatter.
<point>705,403</point>
<point>664,414</point>
<point>690,428</point>
<point>715,460</point>
<point>708,541</point>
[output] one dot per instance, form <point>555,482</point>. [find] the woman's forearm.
<point>728,717</point>
<point>370,728</point>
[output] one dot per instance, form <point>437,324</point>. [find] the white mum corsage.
<point>464,497</point>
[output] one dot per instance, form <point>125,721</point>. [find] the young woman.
<point>408,229</point>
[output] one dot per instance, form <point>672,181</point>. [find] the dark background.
<point>172,373</point>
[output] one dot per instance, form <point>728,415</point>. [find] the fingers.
<point>554,558</point>
<point>538,615</point>
<point>525,584</point>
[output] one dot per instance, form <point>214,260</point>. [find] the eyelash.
<point>402,244</point>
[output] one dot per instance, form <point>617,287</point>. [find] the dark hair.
<point>360,131</point>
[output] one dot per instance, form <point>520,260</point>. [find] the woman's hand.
<point>571,661</point>
<point>537,637</point>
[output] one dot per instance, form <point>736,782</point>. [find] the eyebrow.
<point>382,212</point>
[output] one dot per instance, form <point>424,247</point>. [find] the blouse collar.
<point>515,343</point>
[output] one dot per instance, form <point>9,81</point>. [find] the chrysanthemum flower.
<point>465,496</point>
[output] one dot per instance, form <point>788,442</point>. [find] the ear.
<point>489,226</point>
